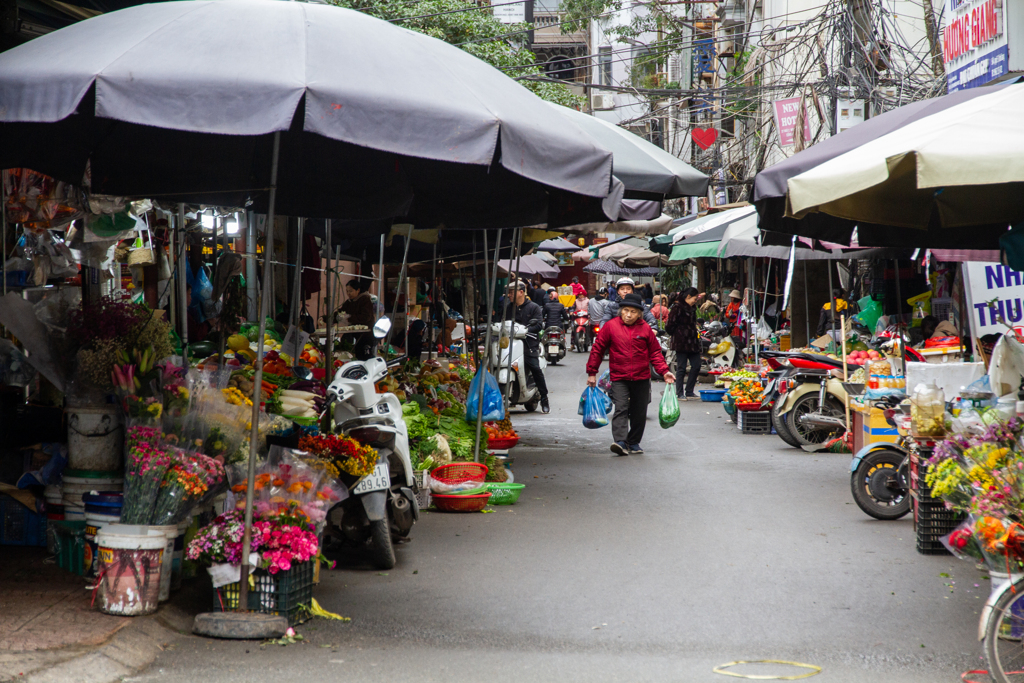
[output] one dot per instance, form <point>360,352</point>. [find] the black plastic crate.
<point>288,593</point>
<point>932,548</point>
<point>927,512</point>
<point>755,421</point>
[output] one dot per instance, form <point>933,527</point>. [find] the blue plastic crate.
<point>19,525</point>
<point>712,395</point>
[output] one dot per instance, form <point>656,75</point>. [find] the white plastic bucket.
<point>170,533</point>
<point>129,569</point>
<point>74,514</point>
<point>95,437</point>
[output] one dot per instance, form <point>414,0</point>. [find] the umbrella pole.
<point>807,308</point>
<point>329,324</point>
<point>899,318</point>
<point>475,305</point>
<point>380,277</point>
<point>216,268</point>
<point>3,228</point>
<point>254,432</point>
<point>492,284</point>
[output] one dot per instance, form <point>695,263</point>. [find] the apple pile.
<point>862,357</point>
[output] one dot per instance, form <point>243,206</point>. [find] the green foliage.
<point>675,278</point>
<point>475,25</point>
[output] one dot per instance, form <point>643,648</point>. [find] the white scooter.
<point>507,338</point>
<point>383,503</point>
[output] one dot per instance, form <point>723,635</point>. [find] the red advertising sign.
<point>786,115</point>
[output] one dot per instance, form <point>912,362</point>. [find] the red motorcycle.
<point>582,334</point>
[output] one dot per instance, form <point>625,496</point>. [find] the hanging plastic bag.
<point>870,312</point>
<point>583,402</point>
<point>668,411</point>
<point>595,412</point>
<point>494,406</point>
<point>604,382</point>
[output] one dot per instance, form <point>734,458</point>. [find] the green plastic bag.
<point>668,411</point>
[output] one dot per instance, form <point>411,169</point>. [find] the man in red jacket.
<point>632,347</point>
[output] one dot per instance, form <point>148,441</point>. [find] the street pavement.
<point>713,547</point>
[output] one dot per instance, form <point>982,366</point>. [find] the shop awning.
<point>684,251</point>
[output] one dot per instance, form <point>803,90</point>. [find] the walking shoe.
<point>692,396</point>
<point>545,407</point>
<point>636,450</point>
<point>620,448</point>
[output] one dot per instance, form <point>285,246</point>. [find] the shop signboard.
<point>510,13</point>
<point>975,49</point>
<point>994,292</point>
<point>786,115</point>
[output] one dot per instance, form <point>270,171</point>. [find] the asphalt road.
<point>713,547</point>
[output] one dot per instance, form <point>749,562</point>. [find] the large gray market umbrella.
<point>181,101</point>
<point>527,266</point>
<point>889,206</point>
<point>647,171</point>
<point>557,244</point>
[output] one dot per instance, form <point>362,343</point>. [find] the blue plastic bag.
<point>494,404</point>
<point>595,408</point>
<point>583,402</point>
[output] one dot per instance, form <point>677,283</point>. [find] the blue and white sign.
<point>995,297</point>
<point>974,43</point>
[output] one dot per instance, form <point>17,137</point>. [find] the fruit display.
<point>860,357</point>
<point>745,391</point>
<point>500,431</point>
<point>859,376</point>
<point>739,374</point>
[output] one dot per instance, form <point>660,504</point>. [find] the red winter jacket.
<point>631,351</point>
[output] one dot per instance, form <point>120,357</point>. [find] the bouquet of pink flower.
<point>221,540</point>
<point>147,466</point>
<point>285,544</point>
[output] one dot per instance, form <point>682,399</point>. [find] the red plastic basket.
<point>460,503</point>
<point>459,472</point>
<point>748,406</point>
<point>502,444</point>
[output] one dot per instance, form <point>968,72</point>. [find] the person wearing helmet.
<point>530,315</point>
<point>623,287</point>
<point>632,348</point>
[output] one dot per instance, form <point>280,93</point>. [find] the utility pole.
<point>938,68</point>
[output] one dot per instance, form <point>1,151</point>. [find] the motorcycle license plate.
<point>379,479</point>
<point>553,349</point>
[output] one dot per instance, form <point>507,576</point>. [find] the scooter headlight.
<point>365,435</point>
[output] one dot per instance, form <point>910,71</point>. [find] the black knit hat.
<point>633,300</point>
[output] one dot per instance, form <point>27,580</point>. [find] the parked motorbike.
<point>382,506</point>
<point>880,474</point>
<point>812,411</point>
<point>508,339</point>
<point>554,344</point>
<point>665,342</point>
<point>721,351</point>
<point>582,332</point>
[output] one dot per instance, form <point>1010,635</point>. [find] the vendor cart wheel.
<point>1003,631</point>
<point>812,436</point>
<point>878,486</point>
<point>382,550</point>
<point>780,422</point>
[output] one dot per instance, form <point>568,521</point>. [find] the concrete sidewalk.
<point>50,633</point>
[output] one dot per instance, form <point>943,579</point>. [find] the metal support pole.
<point>517,243</point>
<point>899,319</point>
<point>487,344</point>
<point>398,289</point>
<point>251,281</point>
<point>435,303</point>
<point>329,347</point>
<point>3,227</point>
<point>183,280</point>
<point>243,583</point>
<point>380,280</point>
<point>475,306</point>
<point>297,289</point>
<point>832,298</point>
<point>222,342</point>
<point>807,308</point>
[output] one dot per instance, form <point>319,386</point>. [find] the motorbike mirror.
<point>302,372</point>
<point>382,327</point>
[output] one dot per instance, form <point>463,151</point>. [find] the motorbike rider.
<point>597,306</point>
<point>632,348</point>
<point>578,290</point>
<point>623,287</point>
<point>531,316</point>
<point>555,314</point>
<point>828,321</point>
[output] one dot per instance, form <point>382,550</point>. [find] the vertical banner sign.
<point>974,43</point>
<point>785,120</point>
<point>994,292</point>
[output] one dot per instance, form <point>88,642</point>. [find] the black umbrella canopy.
<point>770,187</point>
<point>181,100</point>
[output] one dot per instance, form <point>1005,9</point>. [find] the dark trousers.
<point>630,398</point>
<point>533,367</point>
<point>682,358</point>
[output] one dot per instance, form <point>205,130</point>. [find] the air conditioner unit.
<point>603,101</point>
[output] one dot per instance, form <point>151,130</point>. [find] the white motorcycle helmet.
<point>625,281</point>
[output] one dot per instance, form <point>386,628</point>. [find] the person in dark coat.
<point>359,308</point>
<point>682,325</point>
<point>826,320</point>
<point>531,316</point>
<point>555,314</point>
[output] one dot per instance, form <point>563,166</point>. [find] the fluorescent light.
<point>231,226</point>
<point>206,220</point>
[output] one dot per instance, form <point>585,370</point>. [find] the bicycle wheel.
<point>1004,636</point>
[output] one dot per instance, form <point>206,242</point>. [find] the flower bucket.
<point>170,533</point>
<point>129,572</point>
<point>95,437</point>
